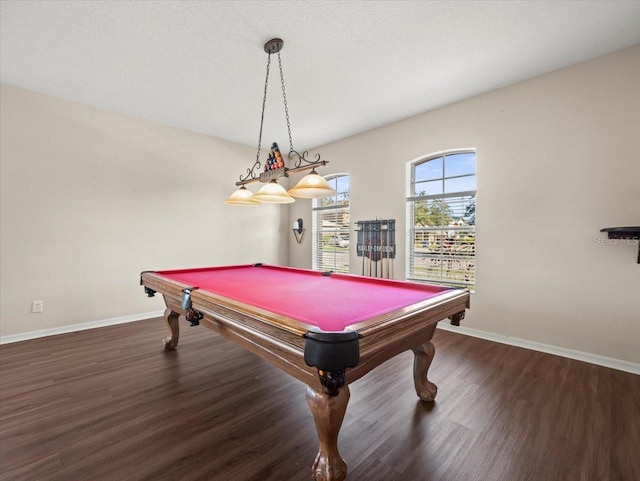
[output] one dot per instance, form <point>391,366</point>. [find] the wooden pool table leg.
<point>328,413</point>
<point>425,389</point>
<point>171,320</point>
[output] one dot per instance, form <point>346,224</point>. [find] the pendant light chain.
<point>264,102</point>
<point>311,186</point>
<point>286,110</point>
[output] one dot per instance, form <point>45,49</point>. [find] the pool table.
<point>325,329</point>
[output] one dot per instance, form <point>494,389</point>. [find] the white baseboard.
<point>619,364</point>
<point>613,363</point>
<point>23,336</point>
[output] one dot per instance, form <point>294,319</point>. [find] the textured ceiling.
<point>349,65</point>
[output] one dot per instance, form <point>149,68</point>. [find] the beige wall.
<point>90,198</point>
<point>558,158</point>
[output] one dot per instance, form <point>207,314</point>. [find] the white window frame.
<point>328,256</point>
<point>452,262</point>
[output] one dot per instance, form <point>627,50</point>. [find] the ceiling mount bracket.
<point>274,45</point>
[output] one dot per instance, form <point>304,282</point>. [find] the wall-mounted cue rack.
<point>377,247</point>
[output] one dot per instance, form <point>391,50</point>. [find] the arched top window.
<point>441,218</point>
<point>331,227</point>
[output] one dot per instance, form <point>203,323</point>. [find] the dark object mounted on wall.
<point>629,233</point>
<point>298,230</point>
<point>377,243</point>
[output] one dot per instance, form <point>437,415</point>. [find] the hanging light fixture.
<point>273,193</point>
<point>311,186</point>
<point>242,196</point>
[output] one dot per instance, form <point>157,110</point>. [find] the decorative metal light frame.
<point>311,186</point>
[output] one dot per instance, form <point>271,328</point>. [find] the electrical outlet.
<point>37,306</point>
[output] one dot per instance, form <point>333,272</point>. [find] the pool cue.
<point>388,253</point>
<point>368,250</point>
<point>365,240</point>
<point>370,256</point>
<point>386,244</point>
<point>381,251</point>
<point>379,236</point>
<point>362,249</point>
<point>381,256</point>
<point>373,242</point>
<point>373,248</point>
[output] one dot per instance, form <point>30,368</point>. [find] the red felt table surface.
<point>329,302</point>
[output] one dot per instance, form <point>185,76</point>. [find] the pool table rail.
<point>281,340</point>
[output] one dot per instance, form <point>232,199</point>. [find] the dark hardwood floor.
<point>111,404</point>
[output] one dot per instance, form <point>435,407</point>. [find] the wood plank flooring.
<point>111,404</point>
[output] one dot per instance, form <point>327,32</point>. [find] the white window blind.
<point>441,220</point>
<point>331,240</point>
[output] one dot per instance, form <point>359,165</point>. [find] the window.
<point>441,218</point>
<point>331,227</point>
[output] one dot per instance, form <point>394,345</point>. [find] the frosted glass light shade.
<point>242,196</point>
<point>273,193</point>
<point>312,186</point>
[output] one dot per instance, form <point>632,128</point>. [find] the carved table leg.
<point>328,413</point>
<point>171,320</point>
<point>425,389</point>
